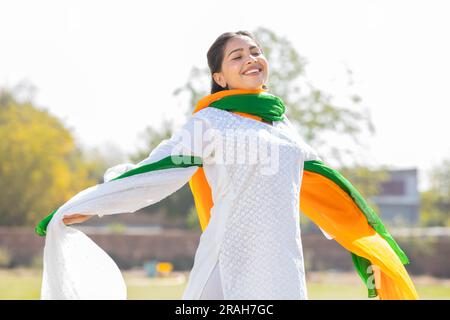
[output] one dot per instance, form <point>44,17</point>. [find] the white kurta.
<point>254,230</point>
<point>253,235</point>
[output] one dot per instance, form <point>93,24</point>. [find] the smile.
<point>252,72</point>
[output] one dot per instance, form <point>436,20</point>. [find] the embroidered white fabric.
<point>254,230</point>
<point>253,236</point>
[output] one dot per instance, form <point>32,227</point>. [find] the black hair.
<point>216,52</point>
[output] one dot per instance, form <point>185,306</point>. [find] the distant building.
<point>398,203</point>
<point>399,200</point>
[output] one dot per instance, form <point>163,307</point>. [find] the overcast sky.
<point>108,68</point>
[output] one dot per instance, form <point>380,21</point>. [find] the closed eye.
<point>253,54</point>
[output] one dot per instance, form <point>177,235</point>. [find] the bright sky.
<point>108,68</point>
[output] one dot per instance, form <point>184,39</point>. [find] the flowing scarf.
<point>326,197</point>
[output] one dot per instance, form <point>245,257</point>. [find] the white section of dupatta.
<point>77,268</point>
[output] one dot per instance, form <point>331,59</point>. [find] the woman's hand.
<point>76,218</point>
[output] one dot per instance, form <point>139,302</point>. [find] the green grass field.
<point>25,284</point>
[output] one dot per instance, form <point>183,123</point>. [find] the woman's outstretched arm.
<point>129,187</point>
<point>77,268</point>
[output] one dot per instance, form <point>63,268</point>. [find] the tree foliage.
<point>40,165</point>
<point>435,202</point>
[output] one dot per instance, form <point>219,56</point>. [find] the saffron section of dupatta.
<point>331,208</point>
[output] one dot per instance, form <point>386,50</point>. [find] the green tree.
<point>435,202</point>
<point>40,165</point>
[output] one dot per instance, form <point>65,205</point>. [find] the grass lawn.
<point>25,284</point>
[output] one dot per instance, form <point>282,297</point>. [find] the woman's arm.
<point>76,218</point>
<point>77,268</point>
<point>130,187</point>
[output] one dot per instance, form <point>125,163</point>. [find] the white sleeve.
<point>310,154</point>
<point>74,266</point>
<point>154,178</point>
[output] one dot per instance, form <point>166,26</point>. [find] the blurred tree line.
<point>41,166</point>
<point>435,202</point>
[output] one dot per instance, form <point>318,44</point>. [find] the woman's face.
<point>241,56</point>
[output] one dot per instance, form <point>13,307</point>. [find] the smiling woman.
<point>236,61</point>
<point>251,244</point>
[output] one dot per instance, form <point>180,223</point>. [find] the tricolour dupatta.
<point>326,197</point>
<point>332,203</point>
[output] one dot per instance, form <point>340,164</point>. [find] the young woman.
<point>250,173</point>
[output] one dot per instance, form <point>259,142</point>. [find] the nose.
<point>252,59</point>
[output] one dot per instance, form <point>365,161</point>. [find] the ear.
<point>219,79</point>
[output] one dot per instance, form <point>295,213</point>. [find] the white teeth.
<point>252,71</point>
